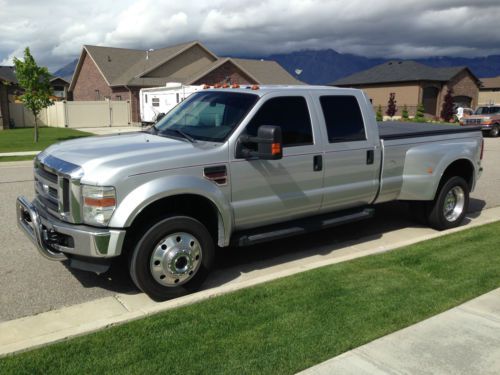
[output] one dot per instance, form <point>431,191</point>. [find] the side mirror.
<point>269,144</point>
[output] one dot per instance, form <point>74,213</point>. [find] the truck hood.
<point>105,157</point>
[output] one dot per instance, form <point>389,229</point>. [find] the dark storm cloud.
<point>56,30</point>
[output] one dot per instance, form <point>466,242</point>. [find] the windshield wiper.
<point>184,135</point>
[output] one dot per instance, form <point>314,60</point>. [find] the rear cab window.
<point>291,114</point>
<point>343,118</point>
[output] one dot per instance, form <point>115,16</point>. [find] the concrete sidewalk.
<point>463,340</point>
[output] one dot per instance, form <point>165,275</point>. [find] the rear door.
<point>271,191</point>
<point>352,152</point>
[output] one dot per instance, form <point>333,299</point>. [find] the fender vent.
<point>217,174</point>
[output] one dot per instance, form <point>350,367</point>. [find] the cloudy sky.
<point>55,30</point>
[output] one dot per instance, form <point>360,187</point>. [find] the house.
<point>415,84</point>
<point>489,92</point>
<point>119,73</point>
<point>8,87</point>
<point>60,88</point>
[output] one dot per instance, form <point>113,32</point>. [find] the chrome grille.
<point>57,187</point>
<point>473,121</point>
<point>47,189</point>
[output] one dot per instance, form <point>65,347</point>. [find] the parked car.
<point>239,166</point>
<point>488,117</point>
<point>462,112</point>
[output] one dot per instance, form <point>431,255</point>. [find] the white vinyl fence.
<point>91,114</point>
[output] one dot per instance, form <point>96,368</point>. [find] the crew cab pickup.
<point>234,167</point>
<point>487,117</point>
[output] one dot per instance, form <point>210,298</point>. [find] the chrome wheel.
<point>454,204</point>
<point>176,259</point>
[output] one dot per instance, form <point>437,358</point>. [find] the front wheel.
<point>494,131</point>
<point>172,258</point>
<point>450,205</point>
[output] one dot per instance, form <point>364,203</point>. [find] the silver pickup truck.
<point>239,166</point>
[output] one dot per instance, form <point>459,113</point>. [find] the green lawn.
<point>13,140</point>
<point>290,324</point>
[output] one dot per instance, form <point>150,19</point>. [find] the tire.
<point>172,258</point>
<point>450,205</point>
<point>494,131</point>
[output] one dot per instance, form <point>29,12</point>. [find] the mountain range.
<point>326,66</point>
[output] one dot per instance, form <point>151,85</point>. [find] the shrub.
<point>419,115</point>
<point>380,117</point>
<point>404,113</point>
<point>447,109</point>
<point>391,105</point>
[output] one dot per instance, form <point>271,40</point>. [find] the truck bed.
<point>399,130</point>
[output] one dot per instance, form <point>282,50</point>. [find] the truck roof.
<point>265,89</point>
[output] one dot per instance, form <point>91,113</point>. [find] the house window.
<point>118,97</point>
<point>155,102</point>
<point>97,95</point>
<point>146,98</point>
<point>177,97</point>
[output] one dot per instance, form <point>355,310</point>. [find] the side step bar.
<point>301,226</point>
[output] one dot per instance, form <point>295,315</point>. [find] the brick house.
<point>489,92</point>
<point>8,88</point>
<point>415,84</point>
<point>118,73</point>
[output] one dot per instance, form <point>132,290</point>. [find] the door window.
<point>343,118</point>
<point>291,114</point>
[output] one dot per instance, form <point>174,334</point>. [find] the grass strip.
<point>289,324</point>
<point>16,158</point>
<point>13,140</point>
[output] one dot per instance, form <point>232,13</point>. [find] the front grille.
<point>473,121</point>
<point>52,190</point>
<point>57,187</point>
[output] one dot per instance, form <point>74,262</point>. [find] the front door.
<point>271,191</point>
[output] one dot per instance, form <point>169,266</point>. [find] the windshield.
<point>207,115</point>
<point>487,110</point>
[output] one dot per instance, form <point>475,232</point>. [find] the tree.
<point>391,105</point>
<point>380,117</point>
<point>404,113</point>
<point>419,115</point>
<point>35,81</point>
<point>447,109</point>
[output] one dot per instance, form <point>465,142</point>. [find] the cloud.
<point>56,30</point>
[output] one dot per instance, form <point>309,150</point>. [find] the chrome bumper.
<point>54,238</point>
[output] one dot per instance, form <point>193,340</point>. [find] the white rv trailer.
<point>156,101</point>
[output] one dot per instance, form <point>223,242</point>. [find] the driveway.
<point>31,285</point>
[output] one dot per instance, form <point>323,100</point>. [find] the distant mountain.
<point>326,66</point>
<point>66,71</point>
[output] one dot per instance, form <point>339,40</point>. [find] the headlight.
<point>99,203</point>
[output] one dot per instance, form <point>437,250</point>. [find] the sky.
<point>56,30</point>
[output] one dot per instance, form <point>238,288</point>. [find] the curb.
<point>54,326</point>
<point>19,153</point>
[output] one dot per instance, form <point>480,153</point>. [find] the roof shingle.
<point>8,74</point>
<point>121,66</point>
<point>400,71</point>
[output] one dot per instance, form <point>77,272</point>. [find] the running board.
<point>302,226</point>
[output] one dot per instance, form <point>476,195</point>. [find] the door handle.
<point>370,156</point>
<point>318,163</point>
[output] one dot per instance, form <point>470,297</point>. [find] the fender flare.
<point>144,195</point>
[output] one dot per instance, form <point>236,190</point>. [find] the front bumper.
<point>54,238</point>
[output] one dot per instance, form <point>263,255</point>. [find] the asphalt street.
<point>30,284</point>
